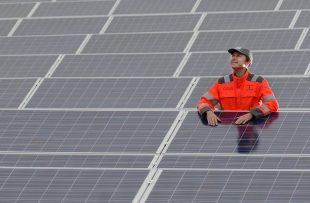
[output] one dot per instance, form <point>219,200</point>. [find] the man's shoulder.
<point>255,78</point>
<point>225,79</point>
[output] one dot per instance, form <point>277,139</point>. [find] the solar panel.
<point>74,160</point>
<point>60,26</point>
<point>264,63</point>
<point>292,4</point>
<point>109,93</point>
<point>74,8</point>
<point>13,91</point>
<point>40,45</point>
<point>237,5</point>
<point>76,185</point>
<point>6,26</point>
<point>107,123</point>
<point>15,10</point>
<point>25,66</point>
<point>281,133</point>
<point>254,40</point>
<point>182,161</point>
<point>231,186</point>
<point>83,131</point>
<point>157,23</point>
<point>253,20</point>
<point>120,65</point>
<point>138,43</point>
<point>157,6</point>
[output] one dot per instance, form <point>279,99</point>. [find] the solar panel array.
<point>97,101</point>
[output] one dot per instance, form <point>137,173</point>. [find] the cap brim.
<point>231,51</point>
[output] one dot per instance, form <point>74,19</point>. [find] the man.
<point>240,90</point>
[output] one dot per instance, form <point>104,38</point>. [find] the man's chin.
<point>236,67</point>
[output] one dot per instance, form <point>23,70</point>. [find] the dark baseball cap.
<point>243,51</point>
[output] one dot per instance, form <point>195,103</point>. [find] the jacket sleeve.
<point>209,100</point>
<point>269,102</point>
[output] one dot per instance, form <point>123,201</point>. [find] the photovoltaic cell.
<point>151,6</point>
<point>83,131</point>
<point>264,63</point>
<point>295,4</point>
<point>280,133</point>
<point>253,20</point>
<point>6,26</point>
<point>86,161</point>
<point>32,185</point>
<point>254,40</point>
<point>131,65</point>
<point>160,23</point>
<point>302,20</point>
<point>238,5</point>
<point>25,66</point>
<point>74,8</point>
<point>234,162</point>
<point>109,93</point>
<point>40,45</point>
<point>13,91</point>
<point>15,10</point>
<point>137,43</point>
<point>231,186</point>
<point>60,26</point>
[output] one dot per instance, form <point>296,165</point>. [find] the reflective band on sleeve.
<point>267,98</point>
<point>211,98</point>
<point>265,108</point>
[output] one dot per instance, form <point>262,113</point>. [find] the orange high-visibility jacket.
<point>250,92</point>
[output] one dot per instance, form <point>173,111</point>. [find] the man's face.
<point>237,60</point>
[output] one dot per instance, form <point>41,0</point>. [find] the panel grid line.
<point>30,93</point>
<point>181,65</point>
<point>277,8</point>
<point>188,92</point>
<point>174,127</point>
<point>54,66</point>
<point>35,7</point>
<point>83,44</point>
<point>14,28</point>
<point>196,5</point>
<point>307,71</point>
<point>114,7</point>
<point>173,133</point>
<point>151,183</point>
<point>301,38</point>
<point>106,25</point>
<point>295,18</point>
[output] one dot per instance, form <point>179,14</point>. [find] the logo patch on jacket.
<point>249,87</point>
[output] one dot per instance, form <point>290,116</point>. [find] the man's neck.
<point>240,72</point>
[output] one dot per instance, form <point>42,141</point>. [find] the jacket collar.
<point>244,77</point>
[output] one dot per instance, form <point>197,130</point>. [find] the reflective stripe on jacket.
<point>250,92</point>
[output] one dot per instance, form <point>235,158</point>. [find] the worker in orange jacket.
<point>240,90</point>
